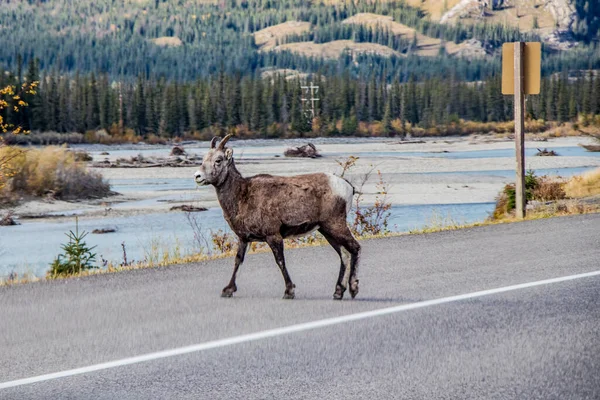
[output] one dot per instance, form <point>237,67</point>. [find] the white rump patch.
<point>341,188</point>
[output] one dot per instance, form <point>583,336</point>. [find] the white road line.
<point>286,330</point>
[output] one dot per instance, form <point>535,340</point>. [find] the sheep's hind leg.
<point>353,248</point>
<point>339,287</point>
<point>342,235</point>
<point>231,288</point>
<point>276,245</point>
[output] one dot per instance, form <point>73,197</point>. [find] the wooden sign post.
<point>521,72</point>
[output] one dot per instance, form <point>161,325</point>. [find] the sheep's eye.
<point>218,161</point>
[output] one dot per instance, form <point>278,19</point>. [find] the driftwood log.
<point>308,151</point>
<point>546,153</point>
<point>8,220</point>
<point>187,208</point>
<point>591,147</point>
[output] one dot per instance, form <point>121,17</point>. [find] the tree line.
<point>272,107</point>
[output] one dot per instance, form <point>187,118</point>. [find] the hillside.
<point>417,43</point>
<point>336,48</point>
<point>190,39</point>
<point>425,45</point>
<point>267,38</point>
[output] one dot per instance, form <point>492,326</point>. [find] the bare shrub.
<point>373,220</point>
<point>75,183</point>
<point>368,220</point>
<point>548,189</point>
<point>203,246</point>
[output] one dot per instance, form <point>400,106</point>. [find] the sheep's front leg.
<point>276,245</point>
<point>239,259</point>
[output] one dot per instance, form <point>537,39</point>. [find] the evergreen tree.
<point>595,100</point>
<point>139,105</point>
<point>64,123</point>
<point>562,109</point>
<point>387,120</point>
<point>32,115</point>
<point>93,104</point>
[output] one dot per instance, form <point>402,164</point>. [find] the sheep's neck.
<point>230,191</point>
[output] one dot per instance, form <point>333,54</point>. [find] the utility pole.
<point>308,103</point>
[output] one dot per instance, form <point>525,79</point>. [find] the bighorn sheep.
<point>266,208</point>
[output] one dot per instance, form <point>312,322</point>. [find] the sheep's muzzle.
<point>200,180</point>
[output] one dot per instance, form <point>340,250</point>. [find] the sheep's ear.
<point>213,142</point>
<point>228,153</point>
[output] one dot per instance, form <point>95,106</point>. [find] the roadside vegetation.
<point>550,196</point>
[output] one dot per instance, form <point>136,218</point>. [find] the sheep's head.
<point>215,164</point>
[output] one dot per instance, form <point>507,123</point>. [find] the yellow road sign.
<point>532,67</point>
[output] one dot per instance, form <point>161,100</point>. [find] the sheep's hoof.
<point>228,291</point>
<point>290,293</point>
<point>354,288</point>
<point>339,293</point>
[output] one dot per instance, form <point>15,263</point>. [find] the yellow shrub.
<point>10,159</point>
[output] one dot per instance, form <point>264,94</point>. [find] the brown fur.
<point>270,208</point>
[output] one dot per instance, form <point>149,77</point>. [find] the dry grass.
<point>333,50</point>
<point>51,171</point>
<point>585,185</point>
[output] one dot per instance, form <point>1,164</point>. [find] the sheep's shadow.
<point>390,300</point>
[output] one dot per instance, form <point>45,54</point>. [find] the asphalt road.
<point>539,341</point>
